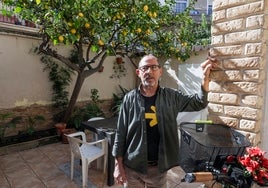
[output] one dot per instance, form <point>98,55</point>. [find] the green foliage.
<point>89,111</point>
<point>60,76</point>
<point>83,114</point>
<point>7,121</point>
<point>31,121</point>
<point>112,25</point>
<point>202,32</point>
<point>117,100</point>
<point>94,96</point>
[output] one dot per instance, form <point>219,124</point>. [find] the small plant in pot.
<point>119,69</point>
<point>119,60</point>
<point>61,78</point>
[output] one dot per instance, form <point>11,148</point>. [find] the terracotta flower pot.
<point>60,127</point>
<point>119,60</point>
<point>66,131</point>
<point>101,69</point>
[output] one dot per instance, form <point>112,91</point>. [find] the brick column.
<point>239,40</point>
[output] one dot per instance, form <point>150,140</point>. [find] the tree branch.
<point>47,50</point>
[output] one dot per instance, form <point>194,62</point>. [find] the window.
<point>180,5</point>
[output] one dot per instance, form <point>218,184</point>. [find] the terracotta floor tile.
<point>39,168</point>
<point>14,166</point>
<point>31,182</point>
<point>23,177</point>
<point>10,161</point>
<point>3,181</point>
<point>19,173</point>
<point>61,181</point>
<point>58,154</point>
<point>33,156</point>
<point>46,171</point>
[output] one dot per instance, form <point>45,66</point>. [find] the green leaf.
<point>94,48</point>
<point>18,9</point>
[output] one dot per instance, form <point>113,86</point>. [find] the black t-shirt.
<point>152,128</point>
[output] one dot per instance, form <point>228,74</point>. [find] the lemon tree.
<point>97,29</point>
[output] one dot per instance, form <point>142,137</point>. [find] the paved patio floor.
<point>39,168</point>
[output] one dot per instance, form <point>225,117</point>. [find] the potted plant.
<point>60,76</point>
<point>119,69</point>
<point>101,69</point>
<point>119,60</point>
<point>60,127</point>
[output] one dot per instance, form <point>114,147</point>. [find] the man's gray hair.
<point>146,57</point>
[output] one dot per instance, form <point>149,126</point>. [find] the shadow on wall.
<point>190,76</point>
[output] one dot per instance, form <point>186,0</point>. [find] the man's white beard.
<point>149,84</point>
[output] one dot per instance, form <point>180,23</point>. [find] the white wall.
<point>189,74</point>
<point>23,81</point>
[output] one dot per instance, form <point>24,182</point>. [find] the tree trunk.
<point>78,85</point>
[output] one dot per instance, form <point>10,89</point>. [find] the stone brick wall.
<point>239,42</point>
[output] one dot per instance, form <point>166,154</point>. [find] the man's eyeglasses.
<point>146,67</point>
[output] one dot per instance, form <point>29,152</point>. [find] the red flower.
<point>255,152</point>
<point>255,163</point>
<point>230,159</point>
<point>265,163</point>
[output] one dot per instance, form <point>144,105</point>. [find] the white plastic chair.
<point>87,152</point>
<point>96,137</point>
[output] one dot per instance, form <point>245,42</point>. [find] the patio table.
<point>105,128</point>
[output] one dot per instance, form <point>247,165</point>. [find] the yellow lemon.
<point>87,25</point>
<point>145,44</point>
<point>148,31</point>
<point>154,15</point>
<point>150,14</point>
<point>118,16</point>
<point>122,14</point>
<point>70,24</point>
<point>81,14</point>
<point>124,32</point>
<point>61,38</point>
<point>145,8</point>
<point>100,42</point>
<point>138,30</point>
<point>73,31</point>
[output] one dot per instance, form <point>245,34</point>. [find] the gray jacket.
<point>130,140</point>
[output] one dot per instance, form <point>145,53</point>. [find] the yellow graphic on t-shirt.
<point>152,116</point>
